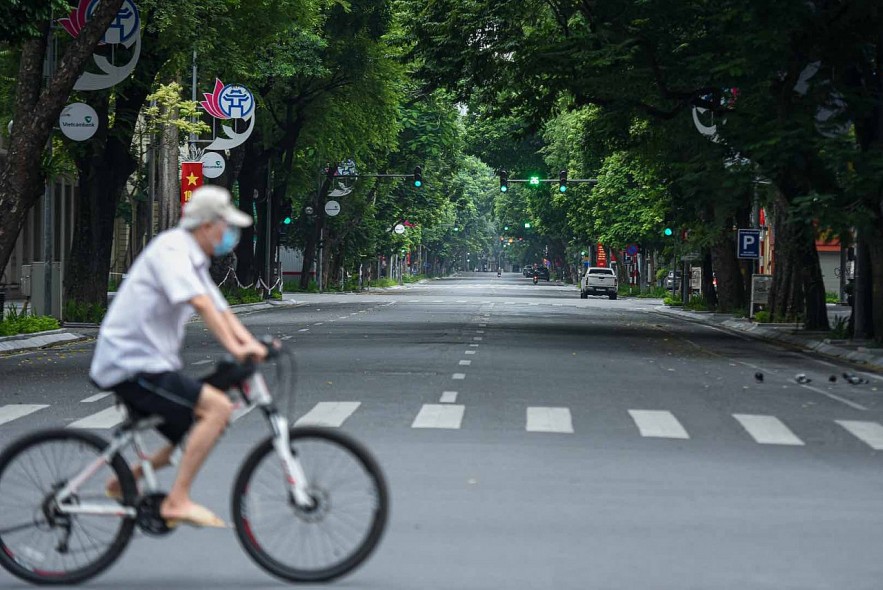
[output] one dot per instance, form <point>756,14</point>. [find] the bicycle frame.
<point>256,394</point>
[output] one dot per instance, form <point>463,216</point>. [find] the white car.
<point>599,280</point>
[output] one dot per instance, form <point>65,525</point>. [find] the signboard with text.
<point>748,244</point>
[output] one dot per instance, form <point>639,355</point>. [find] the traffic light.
<point>504,181</point>
<point>667,232</point>
<point>526,225</point>
<point>418,176</point>
<point>286,214</point>
<point>562,180</point>
<point>534,181</point>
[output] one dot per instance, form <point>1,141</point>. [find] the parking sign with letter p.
<point>748,244</point>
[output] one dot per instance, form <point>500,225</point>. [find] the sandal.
<point>198,516</point>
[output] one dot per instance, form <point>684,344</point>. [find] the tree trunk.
<point>708,290</point>
<point>35,114</point>
<point>252,181</point>
<point>730,290</point>
<point>312,241</point>
<point>103,168</point>
<point>168,186</point>
<point>875,252</point>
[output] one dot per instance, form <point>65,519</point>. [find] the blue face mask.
<point>228,241</point>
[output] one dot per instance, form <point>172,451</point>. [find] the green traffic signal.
<point>534,181</point>
<point>563,188</point>
<point>287,221</point>
<point>527,225</point>
<point>668,232</point>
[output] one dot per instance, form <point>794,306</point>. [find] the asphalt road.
<point>534,440</point>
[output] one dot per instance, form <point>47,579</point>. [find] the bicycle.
<point>68,530</point>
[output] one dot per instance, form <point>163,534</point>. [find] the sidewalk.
<point>820,342</point>
<point>73,332</point>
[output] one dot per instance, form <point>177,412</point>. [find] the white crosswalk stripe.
<point>12,412</point>
<point>329,414</point>
<point>543,419</point>
<point>107,418</point>
<point>870,433</point>
<point>658,424</point>
<point>448,416</point>
<point>768,430</point>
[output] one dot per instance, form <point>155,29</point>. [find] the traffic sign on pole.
<point>748,244</point>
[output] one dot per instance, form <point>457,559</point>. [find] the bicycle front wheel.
<point>332,537</point>
<point>38,541</point>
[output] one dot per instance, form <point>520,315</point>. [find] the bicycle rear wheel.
<point>40,544</point>
<point>333,537</point>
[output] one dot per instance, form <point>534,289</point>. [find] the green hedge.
<point>14,322</point>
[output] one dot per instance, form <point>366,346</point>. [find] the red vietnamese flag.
<point>191,179</point>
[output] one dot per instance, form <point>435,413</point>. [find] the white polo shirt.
<point>144,327</point>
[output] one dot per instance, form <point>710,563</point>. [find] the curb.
<point>760,332</point>
<point>24,342</point>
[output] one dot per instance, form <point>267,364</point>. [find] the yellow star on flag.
<point>191,179</point>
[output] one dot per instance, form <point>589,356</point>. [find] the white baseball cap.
<point>210,202</point>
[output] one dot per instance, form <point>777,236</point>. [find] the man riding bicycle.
<point>138,350</point>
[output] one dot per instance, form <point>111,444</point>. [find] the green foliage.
<point>294,287</point>
<point>840,329</point>
<point>676,302</point>
<point>20,19</point>
<point>171,109</point>
<point>697,304</point>
<point>762,317</point>
<point>832,297</point>
<point>16,322</point>
<point>237,295</point>
<point>88,313</point>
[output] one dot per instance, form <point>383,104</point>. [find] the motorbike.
<point>536,279</point>
<point>499,273</point>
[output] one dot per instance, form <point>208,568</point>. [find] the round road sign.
<point>332,208</point>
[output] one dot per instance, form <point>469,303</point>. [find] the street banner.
<point>229,102</point>
<point>602,256</point>
<point>191,179</point>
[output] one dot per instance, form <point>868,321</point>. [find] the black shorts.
<point>170,395</point>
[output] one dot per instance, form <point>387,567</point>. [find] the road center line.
<point>458,376</point>
<point>465,363</point>
<point>448,397</point>
<point>469,351</point>
<point>100,396</point>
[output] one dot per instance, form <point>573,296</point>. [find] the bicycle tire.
<point>245,529</point>
<point>21,564</point>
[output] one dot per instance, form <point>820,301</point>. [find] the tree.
<point>35,112</point>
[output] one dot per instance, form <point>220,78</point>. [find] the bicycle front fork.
<point>295,477</point>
